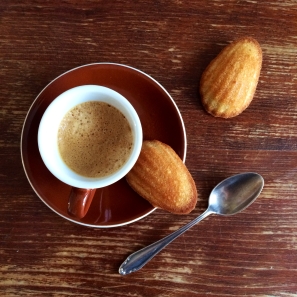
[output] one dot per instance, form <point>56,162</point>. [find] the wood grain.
<point>251,254</point>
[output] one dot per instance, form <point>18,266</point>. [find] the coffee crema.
<point>95,139</point>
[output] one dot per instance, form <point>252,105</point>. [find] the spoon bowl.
<point>229,197</point>
<point>235,193</point>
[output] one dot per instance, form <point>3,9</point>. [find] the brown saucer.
<point>117,204</point>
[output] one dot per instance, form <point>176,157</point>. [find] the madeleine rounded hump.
<point>229,82</point>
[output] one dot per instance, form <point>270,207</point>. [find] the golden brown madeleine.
<point>161,177</point>
<point>229,82</point>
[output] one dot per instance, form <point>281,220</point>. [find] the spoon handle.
<point>138,259</point>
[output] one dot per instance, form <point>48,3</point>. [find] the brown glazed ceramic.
<point>80,201</point>
<point>117,204</point>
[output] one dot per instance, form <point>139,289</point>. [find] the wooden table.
<point>251,254</point>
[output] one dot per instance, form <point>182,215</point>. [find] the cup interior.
<point>49,125</point>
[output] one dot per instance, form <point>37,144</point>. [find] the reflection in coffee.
<point>95,139</point>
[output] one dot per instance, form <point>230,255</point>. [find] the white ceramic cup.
<point>48,141</point>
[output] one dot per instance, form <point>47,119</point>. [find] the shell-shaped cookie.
<point>228,84</point>
<point>161,177</point>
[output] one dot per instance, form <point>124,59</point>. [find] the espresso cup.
<point>83,186</point>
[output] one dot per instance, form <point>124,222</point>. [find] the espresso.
<point>95,139</point>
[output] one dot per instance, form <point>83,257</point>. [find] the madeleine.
<point>228,84</point>
<point>161,177</point>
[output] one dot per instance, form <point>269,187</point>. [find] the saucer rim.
<point>65,73</point>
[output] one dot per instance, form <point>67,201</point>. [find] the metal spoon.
<point>229,197</point>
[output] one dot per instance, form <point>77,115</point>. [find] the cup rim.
<point>48,129</point>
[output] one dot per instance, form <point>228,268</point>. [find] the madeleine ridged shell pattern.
<point>229,82</point>
<point>161,177</point>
